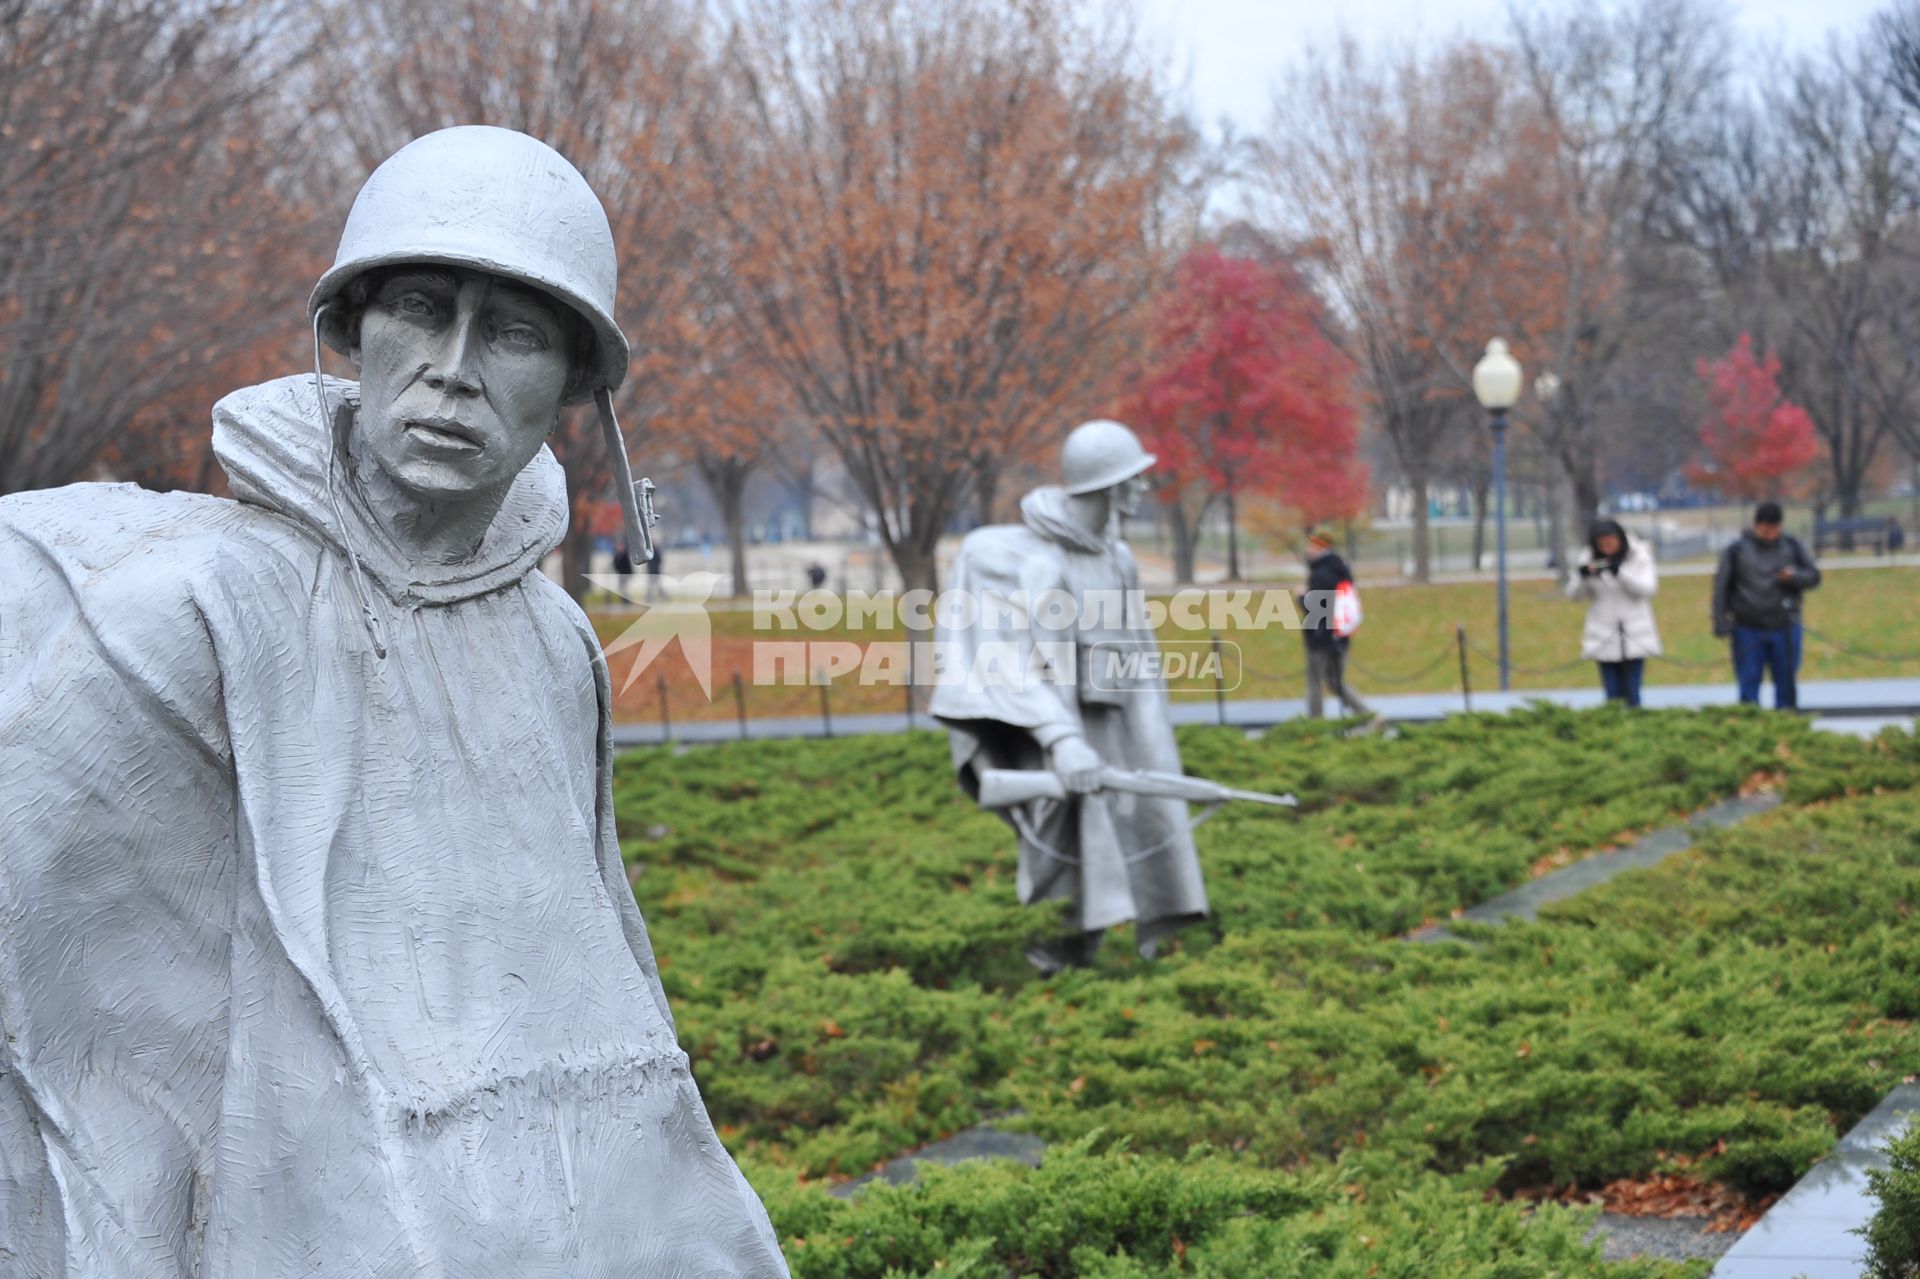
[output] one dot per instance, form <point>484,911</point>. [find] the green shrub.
<point>1893,1236</point>
<point>838,932</point>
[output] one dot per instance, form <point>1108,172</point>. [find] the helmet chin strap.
<point>333,497</point>
<point>636,500</point>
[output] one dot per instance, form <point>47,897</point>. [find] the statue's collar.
<point>1044,510</point>
<point>273,446</point>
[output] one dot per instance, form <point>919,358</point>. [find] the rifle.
<point>1007,787</point>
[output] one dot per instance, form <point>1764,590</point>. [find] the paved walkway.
<point>1650,850</point>
<point>1889,700</point>
<point>1810,1231</point>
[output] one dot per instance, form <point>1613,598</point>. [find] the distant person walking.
<point>1617,579</point>
<point>1327,631</point>
<point>1756,602</point>
<point>623,568</point>
<point>655,591</point>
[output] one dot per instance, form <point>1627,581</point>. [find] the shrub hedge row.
<point>1292,1090</point>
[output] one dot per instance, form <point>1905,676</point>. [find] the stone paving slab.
<point>983,1141</point>
<point>1649,850</point>
<point>1810,1231</point>
<point>1842,698</point>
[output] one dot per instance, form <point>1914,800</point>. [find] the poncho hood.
<point>273,447</point>
<point>1044,510</point>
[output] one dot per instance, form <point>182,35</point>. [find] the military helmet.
<point>1099,455</point>
<point>493,200</point>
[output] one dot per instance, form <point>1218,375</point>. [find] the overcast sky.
<point>1233,48</point>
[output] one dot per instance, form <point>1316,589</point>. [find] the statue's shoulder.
<point>557,610</point>
<point>998,541</point>
<point>133,544</point>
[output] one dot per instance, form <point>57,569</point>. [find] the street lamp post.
<point>1496,384</point>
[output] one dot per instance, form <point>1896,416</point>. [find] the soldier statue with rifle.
<point>1049,684</point>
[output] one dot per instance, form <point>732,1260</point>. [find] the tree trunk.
<point>805,488</point>
<point>1422,551</point>
<point>1233,539</point>
<point>919,568</point>
<point>1580,487</point>
<point>1558,500</point>
<point>1184,538</point>
<point>730,495</point>
<point>986,491</point>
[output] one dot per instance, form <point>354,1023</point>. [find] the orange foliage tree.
<point>134,174</point>
<point>933,223</point>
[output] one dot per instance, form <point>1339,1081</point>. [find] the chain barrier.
<point>1485,656</point>
<point>1375,677</point>
<point>1685,663</point>
<point>1837,646</point>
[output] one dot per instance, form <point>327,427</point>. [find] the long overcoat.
<point>314,961</point>
<point>1037,642</point>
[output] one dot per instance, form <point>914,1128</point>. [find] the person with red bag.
<point>1330,613</point>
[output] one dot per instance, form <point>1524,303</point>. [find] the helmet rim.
<point>1100,454</point>
<point>1117,475</point>
<point>493,200</point>
<point>611,352</point>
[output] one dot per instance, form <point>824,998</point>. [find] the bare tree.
<point>133,179</point>
<point>935,221</point>
<point>1843,274</point>
<point>1408,184</point>
<point>1621,96</point>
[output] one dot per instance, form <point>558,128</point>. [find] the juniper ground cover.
<point>1294,1090</point>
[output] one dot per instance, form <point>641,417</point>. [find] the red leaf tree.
<point>1751,438</point>
<point>1241,395</point>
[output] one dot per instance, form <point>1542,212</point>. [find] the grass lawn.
<point>1406,645</point>
<point>1294,1091</point>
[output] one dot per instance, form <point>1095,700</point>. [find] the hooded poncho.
<point>314,962</point>
<point>1113,857</point>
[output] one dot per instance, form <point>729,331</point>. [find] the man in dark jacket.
<point>1756,601</point>
<point>1327,650</point>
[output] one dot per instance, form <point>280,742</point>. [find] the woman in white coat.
<point>1617,579</point>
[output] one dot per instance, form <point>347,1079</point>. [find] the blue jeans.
<point>1622,680</point>
<point>1757,652</point>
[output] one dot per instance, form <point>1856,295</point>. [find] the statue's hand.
<point>1076,764</point>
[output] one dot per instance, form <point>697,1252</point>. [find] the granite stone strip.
<point>1810,1231</point>
<point>1650,850</point>
<point>983,1141</point>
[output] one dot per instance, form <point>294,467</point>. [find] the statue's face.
<point>461,378</point>
<point>1129,494</point>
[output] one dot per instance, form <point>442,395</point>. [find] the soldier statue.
<point>1049,685</point>
<point>316,952</point>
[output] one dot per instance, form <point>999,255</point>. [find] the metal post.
<point>1219,681</point>
<point>1466,685</point>
<point>826,709</point>
<point>1500,535</point>
<point>909,681</point>
<point>740,704</point>
<point>666,716</point>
